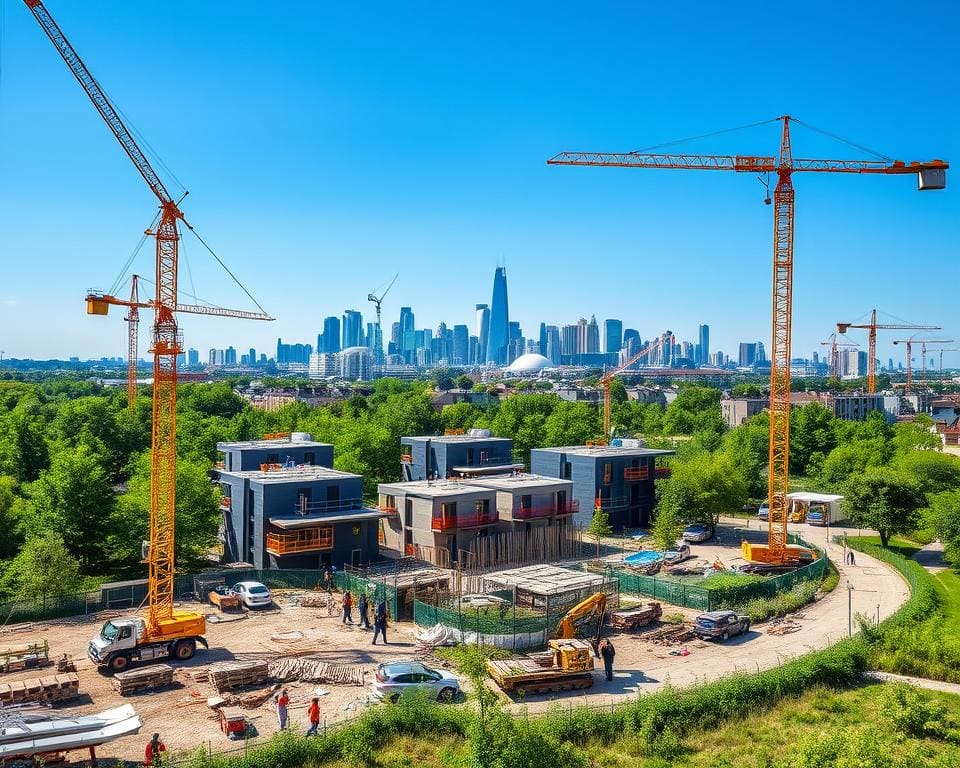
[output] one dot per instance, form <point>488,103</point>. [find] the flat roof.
<point>432,488</point>
<point>809,496</point>
<point>544,579</point>
<point>281,442</point>
<point>514,482</point>
<point>310,521</point>
<point>455,439</point>
<point>607,450</point>
<point>290,474</point>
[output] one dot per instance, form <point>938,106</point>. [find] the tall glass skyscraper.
<point>352,328</point>
<point>613,336</point>
<point>498,338</point>
<point>483,332</point>
<point>406,343</point>
<point>704,345</point>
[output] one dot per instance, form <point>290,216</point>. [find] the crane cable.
<point>225,267</point>
<point>704,135</point>
<point>835,137</point>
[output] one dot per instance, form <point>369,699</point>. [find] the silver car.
<point>253,594</point>
<point>394,679</point>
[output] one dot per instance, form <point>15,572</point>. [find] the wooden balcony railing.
<point>304,540</point>
<point>636,473</point>
<point>545,510</point>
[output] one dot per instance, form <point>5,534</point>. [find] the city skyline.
<point>656,249</point>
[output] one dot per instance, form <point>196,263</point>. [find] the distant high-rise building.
<point>704,343</point>
<point>569,336</point>
<point>193,357</point>
<point>406,341</point>
<point>230,356</point>
<point>542,345</point>
<point>351,331</point>
<point>582,332</point>
<point>631,342</point>
<point>483,331</point>
<point>593,336</point>
<point>475,356</point>
<point>252,356</point>
<point>331,336</point>
<point>498,336</point>
<point>461,345</point>
<point>515,341</point>
<point>613,336</point>
<point>553,349</point>
<point>750,354</point>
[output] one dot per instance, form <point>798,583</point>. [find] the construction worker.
<point>326,580</point>
<point>363,606</point>
<point>380,622</point>
<point>154,749</point>
<point>347,608</point>
<point>607,652</point>
<point>313,715</point>
<point>283,702</point>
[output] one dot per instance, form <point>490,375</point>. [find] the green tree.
<point>523,418</point>
<point>934,471</point>
<point>10,503</point>
<point>849,460</point>
<point>571,424</point>
<point>748,448</point>
<point>702,487</point>
<point>943,517</point>
<point>885,500</point>
<point>811,431</point>
<point>599,527</point>
<point>667,527</point>
<point>459,416</point>
<point>745,389</point>
<point>44,568</point>
<point>197,515</point>
<point>74,498</point>
<point>23,444</point>
<point>463,382</point>
<point>916,435</point>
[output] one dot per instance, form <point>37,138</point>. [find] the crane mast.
<point>609,377</point>
<point>133,328</point>
<point>166,345</point>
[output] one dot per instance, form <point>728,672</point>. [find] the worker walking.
<point>347,608</point>
<point>283,702</point>
<point>313,715</point>
<point>363,606</point>
<point>154,749</point>
<point>380,622</point>
<point>607,652</point>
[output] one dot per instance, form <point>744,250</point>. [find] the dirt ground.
<point>180,714</point>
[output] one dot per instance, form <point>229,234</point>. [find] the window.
<point>309,458</point>
<point>469,457</point>
<point>484,457</point>
<point>526,501</point>
<point>273,458</point>
<point>448,511</point>
<point>482,506</point>
<point>607,472</point>
<point>566,470</point>
<point>333,497</point>
<point>408,514</point>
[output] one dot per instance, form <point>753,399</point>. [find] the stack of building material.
<point>43,690</point>
<point>635,617</point>
<point>14,657</point>
<point>154,676</point>
<point>318,600</point>
<point>65,664</point>
<point>669,635</point>
<point>316,671</point>
<point>225,675</point>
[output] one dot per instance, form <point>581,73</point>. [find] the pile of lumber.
<point>154,676</point>
<point>635,617</point>
<point>225,675</point>
<point>17,656</point>
<point>669,635</point>
<point>43,690</point>
<point>316,671</point>
<point>783,628</point>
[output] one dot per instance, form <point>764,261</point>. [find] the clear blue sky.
<point>328,145</point>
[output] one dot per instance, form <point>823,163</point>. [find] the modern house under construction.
<point>437,457</point>
<point>292,513</point>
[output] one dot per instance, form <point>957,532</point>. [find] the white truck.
<point>125,640</point>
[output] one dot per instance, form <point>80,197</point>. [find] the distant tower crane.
<point>873,327</point>
<point>908,343</point>
<point>378,300</point>
<point>941,350</point>
<point>166,632</point>
<point>133,326</point>
<point>931,175</point>
<point>608,378</point>
<point>833,343</point>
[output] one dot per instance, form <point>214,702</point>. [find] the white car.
<point>253,594</point>
<point>394,679</point>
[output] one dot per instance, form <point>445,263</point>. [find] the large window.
<point>607,472</point>
<point>567,471</point>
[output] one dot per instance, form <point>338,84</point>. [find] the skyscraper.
<point>568,339</point>
<point>352,332</point>
<point>405,337</point>
<point>552,351</point>
<point>498,338</point>
<point>483,331</point>
<point>193,357</point>
<point>515,341</point>
<point>542,346</point>
<point>593,336</point>
<point>461,345</point>
<point>613,336</point>
<point>331,335</point>
<point>704,356</point>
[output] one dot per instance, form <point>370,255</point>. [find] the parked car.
<point>697,532</point>
<point>764,513</point>
<point>394,679</point>
<point>720,625</point>
<point>253,594</point>
<point>678,554</point>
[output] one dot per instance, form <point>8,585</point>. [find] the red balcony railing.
<point>663,472</point>
<point>636,473</point>
<point>463,520</point>
<point>545,510</point>
<point>303,540</point>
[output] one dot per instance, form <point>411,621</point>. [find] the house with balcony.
<point>296,516</point>
<point>424,516</point>
<point>618,477</point>
<point>529,501</point>
<point>437,457</point>
<point>286,449</point>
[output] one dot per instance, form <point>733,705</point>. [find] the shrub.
<point>917,714</point>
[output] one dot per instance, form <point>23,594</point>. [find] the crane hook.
<point>765,180</point>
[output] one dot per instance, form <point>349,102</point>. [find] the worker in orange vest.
<point>154,749</point>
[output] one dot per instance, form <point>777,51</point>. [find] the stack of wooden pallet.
<point>225,675</point>
<point>635,617</point>
<point>154,676</point>
<point>669,635</point>
<point>14,657</point>
<point>316,671</point>
<point>44,690</point>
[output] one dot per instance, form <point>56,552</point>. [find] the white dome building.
<point>529,364</point>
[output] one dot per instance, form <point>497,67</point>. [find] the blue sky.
<point>327,146</point>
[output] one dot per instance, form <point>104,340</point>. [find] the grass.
<point>865,718</point>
